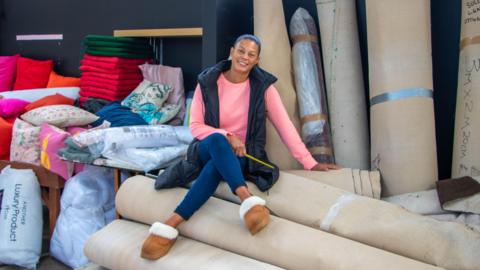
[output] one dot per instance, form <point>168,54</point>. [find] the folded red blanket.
<point>94,89</point>
<point>87,76</point>
<point>115,60</point>
<point>99,85</point>
<point>108,97</point>
<point>109,70</point>
<point>113,76</point>
<point>98,64</point>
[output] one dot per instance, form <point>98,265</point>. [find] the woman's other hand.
<point>325,167</point>
<point>237,145</point>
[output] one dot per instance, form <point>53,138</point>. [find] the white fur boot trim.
<point>249,203</point>
<point>163,230</point>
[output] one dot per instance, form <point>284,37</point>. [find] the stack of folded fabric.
<point>110,66</point>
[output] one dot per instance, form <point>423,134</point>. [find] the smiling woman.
<point>230,107</point>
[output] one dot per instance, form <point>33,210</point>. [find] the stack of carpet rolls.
<point>110,66</point>
<point>313,226</point>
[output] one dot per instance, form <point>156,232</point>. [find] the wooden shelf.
<point>160,32</point>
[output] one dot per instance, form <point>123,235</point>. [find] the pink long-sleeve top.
<point>233,105</point>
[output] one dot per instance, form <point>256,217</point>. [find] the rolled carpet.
<point>342,66</point>
<point>118,245</point>
<point>466,143</point>
<point>270,27</point>
<point>310,86</point>
<point>361,182</point>
<point>369,221</point>
<point>283,243</point>
<point>401,95</point>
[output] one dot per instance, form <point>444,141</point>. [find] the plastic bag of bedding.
<point>87,205</point>
<point>148,159</point>
<point>145,136</point>
<point>21,220</point>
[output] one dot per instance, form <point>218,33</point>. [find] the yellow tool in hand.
<point>259,161</point>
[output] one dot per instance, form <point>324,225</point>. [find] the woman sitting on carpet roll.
<point>228,118</point>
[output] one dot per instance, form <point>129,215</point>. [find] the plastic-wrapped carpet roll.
<point>368,221</point>
<point>402,122</point>
<point>310,86</point>
<point>466,144</point>
<point>344,82</point>
<point>282,243</point>
<point>270,27</point>
<point>422,202</point>
<point>361,182</point>
<point>118,245</point>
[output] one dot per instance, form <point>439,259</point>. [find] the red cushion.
<point>56,99</point>
<point>8,67</point>
<point>32,73</point>
<point>56,80</point>
<point>121,87</point>
<point>5,138</point>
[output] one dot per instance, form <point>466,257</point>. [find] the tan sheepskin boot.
<point>158,243</point>
<point>254,214</point>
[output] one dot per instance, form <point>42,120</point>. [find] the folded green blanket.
<point>146,51</point>
<point>130,40</point>
<point>116,44</point>
<point>119,54</point>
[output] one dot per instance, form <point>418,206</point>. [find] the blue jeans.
<point>220,163</point>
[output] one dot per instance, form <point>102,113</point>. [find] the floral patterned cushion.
<point>147,100</point>
<point>59,115</point>
<point>25,144</point>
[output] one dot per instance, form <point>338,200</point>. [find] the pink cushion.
<point>170,76</point>
<point>25,145</point>
<point>12,107</point>
<point>8,67</point>
<point>51,140</point>
<point>32,73</point>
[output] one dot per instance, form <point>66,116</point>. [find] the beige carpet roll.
<point>118,245</point>
<point>270,27</point>
<point>401,95</point>
<point>369,221</point>
<point>361,182</point>
<point>283,243</point>
<point>466,143</point>
<point>344,81</point>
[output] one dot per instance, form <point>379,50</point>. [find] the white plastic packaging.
<point>21,220</point>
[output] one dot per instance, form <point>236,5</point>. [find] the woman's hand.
<point>237,145</point>
<point>325,167</point>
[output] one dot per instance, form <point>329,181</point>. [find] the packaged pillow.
<point>25,145</point>
<point>8,67</point>
<point>55,99</point>
<point>51,140</point>
<point>55,80</point>
<point>21,219</point>
<point>59,115</point>
<point>12,107</point>
<point>32,74</point>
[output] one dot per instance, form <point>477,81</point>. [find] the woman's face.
<point>244,56</point>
